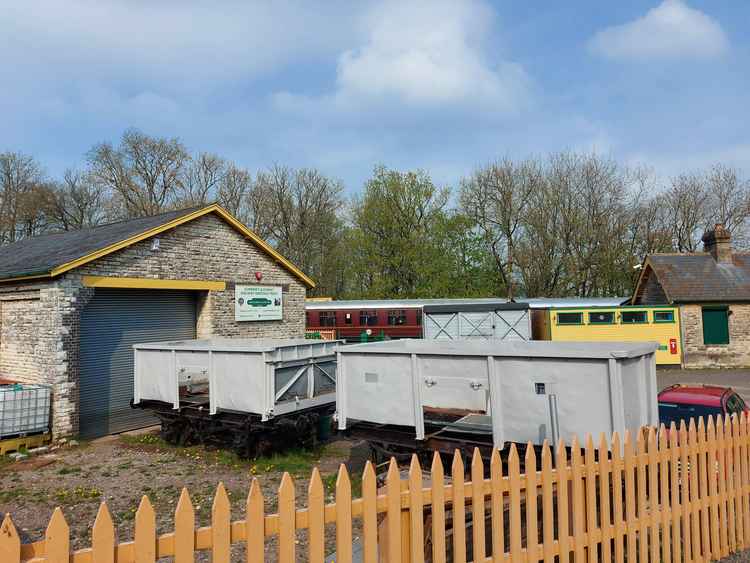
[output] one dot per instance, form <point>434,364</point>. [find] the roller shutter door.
<point>111,323</point>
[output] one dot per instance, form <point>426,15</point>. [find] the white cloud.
<point>672,30</point>
<point>423,54</point>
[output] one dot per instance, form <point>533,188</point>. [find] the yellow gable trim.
<point>214,208</point>
<point>152,283</point>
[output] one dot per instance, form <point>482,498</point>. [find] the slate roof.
<point>698,278</point>
<point>40,255</point>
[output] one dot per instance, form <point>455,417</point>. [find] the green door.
<point>715,325</point>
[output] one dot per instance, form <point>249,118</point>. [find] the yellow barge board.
<point>625,324</point>
<point>11,445</point>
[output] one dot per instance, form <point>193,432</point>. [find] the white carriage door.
<point>477,325</point>
<point>440,326</point>
<point>512,324</point>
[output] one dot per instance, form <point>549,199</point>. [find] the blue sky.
<point>441,85</point>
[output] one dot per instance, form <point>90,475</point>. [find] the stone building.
<point>72,304</point>
<point>712,290</point>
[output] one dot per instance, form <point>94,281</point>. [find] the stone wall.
<point>39,334</point>
<point>698,355</point>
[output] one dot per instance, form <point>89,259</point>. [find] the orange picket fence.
<point>669,496</point>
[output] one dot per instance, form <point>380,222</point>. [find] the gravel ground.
<point>123,469</point>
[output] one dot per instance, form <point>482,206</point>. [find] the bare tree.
<point>728,202</point>
<point>203,178</point>
<point>497,197</point>
<point>77,202</point>
<point>23,197</point>
<point>144,173</point>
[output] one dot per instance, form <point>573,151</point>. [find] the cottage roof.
<point>699,278</point>
<point>50,255</point>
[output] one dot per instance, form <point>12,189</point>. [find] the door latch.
<point>475,385</point>
<point>429,382</point>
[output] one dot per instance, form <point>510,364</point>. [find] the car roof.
<point>709,395</point>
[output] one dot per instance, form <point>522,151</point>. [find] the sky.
<point>441,85</point>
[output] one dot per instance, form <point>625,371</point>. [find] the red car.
<point>683,402</point>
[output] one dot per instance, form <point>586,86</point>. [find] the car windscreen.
<point>675,412</point>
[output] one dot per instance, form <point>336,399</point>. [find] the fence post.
<point>631,522</point>
<point>254,524</point>
<point>459,509</point>
<point>393,512</point>
<point>287,528</point>
<point>514,477</point>
<point>591,521</point>
<point>184,529</point>
<point>369,514</point>
<point>677,508</point>
<point>221,518</point>
<point>666,509</point>
<point>10,542</point>
<point>145,532</point>
<point>695,507</point>
<point>653,492</point>
<point>712,490</point>
<point>548,510</point>
<point>579,521</point>
<point>57,538</point>
<point>617,499</point>
<point>605,521</point>
<point>438,509</point>
<point>477,506</point>
<point>315,511</point>
<point>640,464</point>
<point>498,508</point>
<point>103,536</point>
<point>532,512</point>
<point>416,510</point>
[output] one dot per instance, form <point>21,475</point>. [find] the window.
<point>735,404</point>
<point>676,412</point>
<point>327,318</point>
<point>348,318</point>
<point>396,318</point>
<point>368,318</point>
<point>602,317</point>
<point>663,316</point>
<point>715,325</point>
<point>569,318</point>
<point>633,317</point>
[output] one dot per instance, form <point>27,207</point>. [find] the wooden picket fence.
<point>668,496</point>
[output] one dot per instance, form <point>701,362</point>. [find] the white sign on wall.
<point>257,303</point>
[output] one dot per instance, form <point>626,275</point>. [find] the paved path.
<point>737,379</point>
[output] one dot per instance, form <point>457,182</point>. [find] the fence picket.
<point>737,459</point>
<point>498,508</point>
<point>184,529</point>
<point>703,488</point>
<point>664,505</point>
<point>477,506</point>
<point>514,480</point>
<point>653,493</point>
<point>630,516</point>
<point>393,513</point>
<point>145,532</point>
<point>221,518</point>
<point>532,512</point>
<point>286,520</point>
<point>712,488</point>
<point>578,504</point>
<point>617,498</point>
<point>57,538</point>
<point>722,486</point>
<point>744,477</point>
<point>694,491</point>
<point>437,475</point>
<point>316,515</point>
<point>548,509</point>
<point>254,524</point>
<point>459,509</point>
<point>605,521</point>
<point>103,536</point>
<point>369,516</point>
<point>591,520</point>
<point>10,542</point>
<point>674,480</point>
<point>640,464</point>
<point>687,529</point>
<point>343,515</point>
<point>416,510</point>
<point>729,464</point>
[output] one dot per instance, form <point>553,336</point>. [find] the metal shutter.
<point>111,323</point>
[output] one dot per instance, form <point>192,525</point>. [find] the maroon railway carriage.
<point>394,319</point>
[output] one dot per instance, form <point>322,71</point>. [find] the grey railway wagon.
<point>512,391</point>
<point>482,320</point>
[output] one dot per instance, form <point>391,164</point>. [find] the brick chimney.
<point>718,243</point>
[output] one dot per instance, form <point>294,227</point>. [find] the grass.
<point>294,461</point>
<point>329,483</point>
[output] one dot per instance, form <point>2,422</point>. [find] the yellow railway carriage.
<point>621,323</point>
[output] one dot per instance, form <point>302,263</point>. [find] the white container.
<point>266,377</point>
<point>597,386</point>
<point>482,320</point>
<point>24,409</point>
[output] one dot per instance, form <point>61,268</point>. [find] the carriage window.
<point>602,317</point>
<point>397,317</point>
<point>663,316</point>
<point>569,318</point>
<point>368,318</point>
<point>348,318</point>
<point>633,317</point>
<point>327,318</point>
